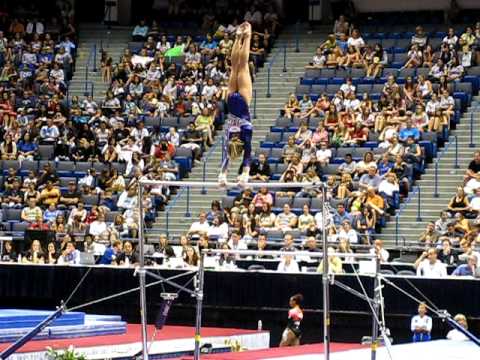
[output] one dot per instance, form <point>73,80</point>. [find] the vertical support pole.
<point>95,57</point>
<point>187,211</point>
<point>396,229</point>
<point>198,319</point>
<point>254,103</point>
<point>297,39</point>
<point>86,80</point>
<point>285,57</point>
<point>419,201</point>
<point>456,152</point>
<point>141,274</point>
<point>471,131</point>
<point>269,94</point>
<point>435,193</point>
<point>376,308</point>
<point>325,281</point>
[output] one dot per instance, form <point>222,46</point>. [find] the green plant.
<point>68,354</point>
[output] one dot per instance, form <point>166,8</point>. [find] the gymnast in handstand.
<point>238,131</point>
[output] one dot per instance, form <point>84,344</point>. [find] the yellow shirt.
<point>50,196</point>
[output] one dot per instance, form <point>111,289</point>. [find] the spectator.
<point>30,213</point>
<point>199,227</point>
<point>70,255</point>
<point>335,265</point>
<point>140,31</point>
<point>428,265</point>
<point>430,236</point>
<point>35,254</point>
<point>260,169</point>
<point>286,220</point>
<point>111,253</point>
<point>378,249</point>
<point>468,269</point>
<point>128,256</point>
<point>288,264</point>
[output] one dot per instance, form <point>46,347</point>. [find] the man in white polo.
<point>429,266</point>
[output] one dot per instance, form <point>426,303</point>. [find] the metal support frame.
<point>142,273</point>
<point>325,281</point>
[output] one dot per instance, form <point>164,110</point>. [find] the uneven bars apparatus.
<point>201,271</point>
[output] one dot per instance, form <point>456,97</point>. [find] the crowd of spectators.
<point>453,239</point>
<point>166,99</point>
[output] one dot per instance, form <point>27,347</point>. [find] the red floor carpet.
<point>278,352</point>
<point>132,335</point>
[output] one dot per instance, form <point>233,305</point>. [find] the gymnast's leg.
<point>240,82</point>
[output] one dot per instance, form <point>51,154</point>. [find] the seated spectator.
<point>447,254</point>
<point>70,255</point>
<point>286,220</point>
<point>35,255</point>
<point>459,202</point>
<point>199,227</point>
<point>378,249</point>
<point>140,31</point>
<point>8,253</point>
<point>128,256</point>
<point>266,219</point>
<point>468,269</point>
<point>414,57</point>
<point>472,175</point>
<point>421,325</point>
<point>30,213</point>
<point>288,264</point>
<point>218,229</point>
<point>341,215</point>
<point>50,195</point>
<point>428,265</point>
<point>335,265</point>
<point>375,201</point>
<point>442,223</point>
<point>8,149</point>
<point>111,253</point>
<point>429,236</point>
<point>348,233</point>
<point>370,179</point>
<point>26,148</point>
<point>420,37</point>
<point>236,242</point>
<point>99,229</point>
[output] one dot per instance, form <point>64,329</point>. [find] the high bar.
<point>283,253</point>
<point>213,184</point>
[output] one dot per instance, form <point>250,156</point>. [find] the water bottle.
<point>260,325</point>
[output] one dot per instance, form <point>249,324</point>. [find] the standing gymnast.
<point>292,333</point>
<point>238,131</point>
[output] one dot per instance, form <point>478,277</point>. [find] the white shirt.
<point>388,188</point>
<point>475,203</point>
<point>240,245</point>
<point>422,322</point>
<point>208,91</point>
<point>438,269</point>
<point>384,254</point>
<point>358,43</point>
<point>456,335</point>
<point>290,268</point>
<point>324,155</point>
<point>97,227</point>
<point>319,220</point>
<point>220,231</point>
<point>197,226</point>
<point>351,235</point>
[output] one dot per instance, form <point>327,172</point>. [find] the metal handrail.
<point>91,61</point>
<point>168,208</point>
<point>402,207</point>
<point>204,163</point>
<point>272,62</point>
<point>439,157</point>
<point>92,88</point>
